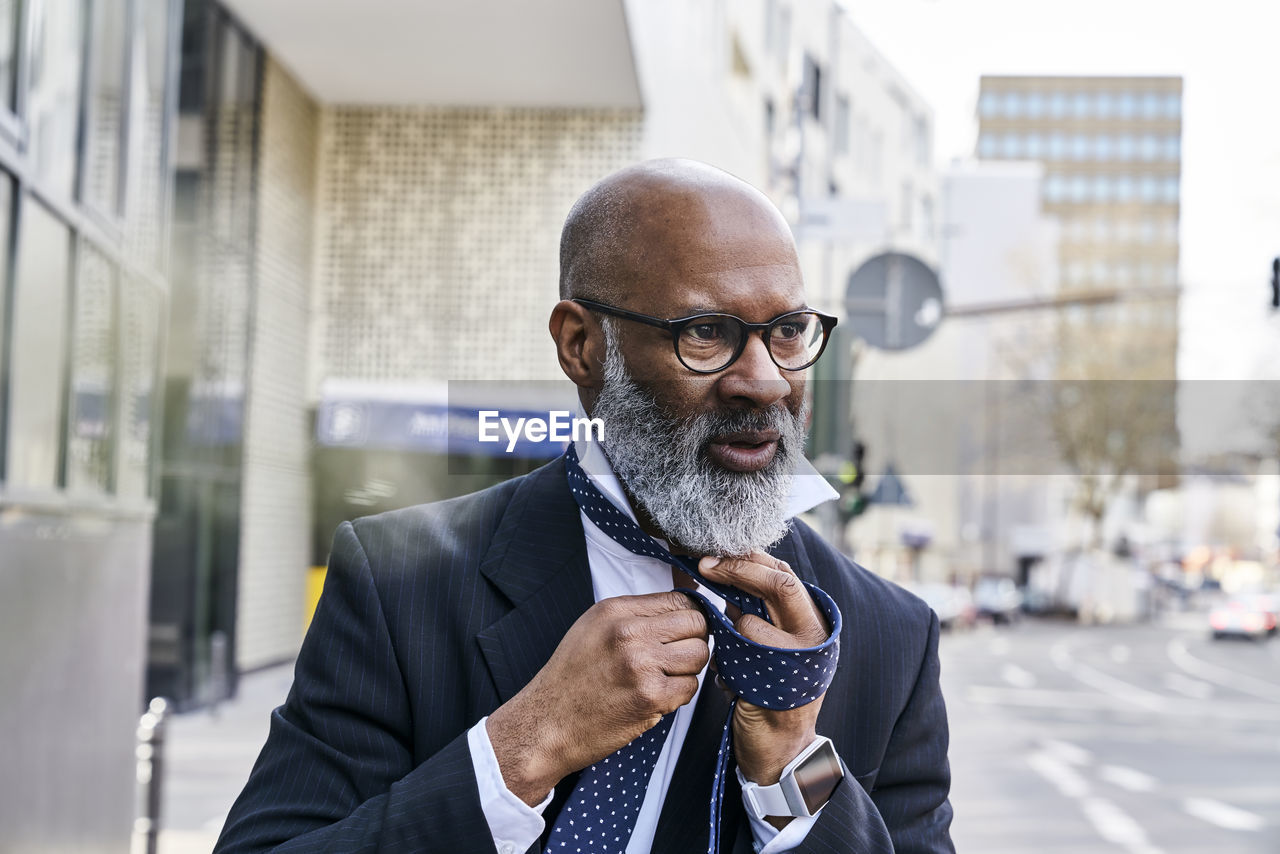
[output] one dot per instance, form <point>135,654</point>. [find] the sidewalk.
<point>209,756</point>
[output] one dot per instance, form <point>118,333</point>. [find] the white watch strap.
<point>764,800</point>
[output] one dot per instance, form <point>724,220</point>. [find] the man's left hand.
<point>764,741</point>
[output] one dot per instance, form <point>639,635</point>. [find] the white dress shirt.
<point>615,571</point>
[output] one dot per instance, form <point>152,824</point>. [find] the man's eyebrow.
<point>701,309</point>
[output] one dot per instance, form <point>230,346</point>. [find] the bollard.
<point>150,755</point>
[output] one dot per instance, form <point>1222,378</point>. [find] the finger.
<point>677,691</point>
<point>676,626</point>
<point>654,604</point>
<point>790,606</point>
<point>763,632</point>
<point>684,657</point>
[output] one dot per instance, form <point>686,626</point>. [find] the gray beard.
<point>661,460</point>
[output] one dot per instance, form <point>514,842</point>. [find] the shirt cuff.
<point>770,840</point>
<point>767,838</point>
<point>513,824</point>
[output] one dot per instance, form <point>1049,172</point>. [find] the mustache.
<point>707,426</point>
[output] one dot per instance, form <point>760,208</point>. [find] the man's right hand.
<point>624,664</point>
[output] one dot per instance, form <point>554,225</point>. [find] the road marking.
<point>1044,698</point>
<point>1054,764</point>
<point>1061,775</point>
<point>1193,688</point>
<point>1223,815</point>
<point>1179,655</point>
<point>1068,752</point>
<point>1127,778</point>
<point>1120,653</point>
<point>1017,677</point>
<point>1115,825</point>
<point>1118,688</point>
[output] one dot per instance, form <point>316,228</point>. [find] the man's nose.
<point>754,377</point>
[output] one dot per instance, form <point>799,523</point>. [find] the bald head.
<point>619,233</point>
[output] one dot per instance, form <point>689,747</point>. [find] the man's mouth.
<point>747,451</point>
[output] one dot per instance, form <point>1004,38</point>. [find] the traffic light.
<point>853,474</point>
<point>1275,283</point>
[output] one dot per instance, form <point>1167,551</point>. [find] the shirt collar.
<point>808,487</point>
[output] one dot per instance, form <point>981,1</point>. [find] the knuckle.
<point>784,584</point>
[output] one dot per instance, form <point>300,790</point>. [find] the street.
<point>1148,739</point>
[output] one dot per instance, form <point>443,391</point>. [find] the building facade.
<point>86,123</point>
<point>1112,152</point>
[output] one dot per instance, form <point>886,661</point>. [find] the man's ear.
<point>578,339</point>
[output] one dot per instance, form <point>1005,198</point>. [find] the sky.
<point>1227,51</point>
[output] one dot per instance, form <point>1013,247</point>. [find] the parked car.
<point>953,604</point>
<point>1243,616</point>
<point>997,598</point>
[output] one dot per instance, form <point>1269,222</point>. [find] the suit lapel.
<point>538,560</point>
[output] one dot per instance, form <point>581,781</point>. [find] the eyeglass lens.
<point>712,342</point>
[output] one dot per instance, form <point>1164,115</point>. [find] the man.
<point>481,673</point>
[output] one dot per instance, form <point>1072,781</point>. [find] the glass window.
<point>1126,105</point>
<point>1148,230</point>
<point>1078,188</point>
<point>1035,146</point>
<point>1152,105</point>
<point>1125,188</point>
<point>1103,147</point>
<point>140,321</point>
<point>1172,106</point>
<point>989,105</point>
<point>105,107</point>
<point>1055,188</point>
<point>1057,105</point>
<point>148,177</point>
<point>841,129</point>
<point>1011,145</point>
<point>1081,105</point>
<point>53,98</point>
<point>39,349</point>
<point>1169,190</point>
<point>1104,105</point>
<point>93,359</point>
<point>1035,105</point>
<point>1125,147</point>
<point>988,145</point>
<point>1101,188</point>
<point>1013,104</point>
<point>1148,188</point>
<point>1057,146</point>
<point>1080,147</point>
<point>6,209</point>
<point>1172,147</point>
<point>9,17</point>
<point>1149,147</point>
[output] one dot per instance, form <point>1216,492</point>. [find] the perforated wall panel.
<point>439,236</point>
<point>276,497</point>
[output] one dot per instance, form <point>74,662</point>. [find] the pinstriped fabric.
<point>434,615</point>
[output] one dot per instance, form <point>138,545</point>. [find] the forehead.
<point>709,249</point>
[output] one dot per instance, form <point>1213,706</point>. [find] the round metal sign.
<point>893,301</point>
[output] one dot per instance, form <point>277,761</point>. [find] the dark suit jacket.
<point>434,615</point>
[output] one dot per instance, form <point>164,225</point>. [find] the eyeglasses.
<point>707,343</point>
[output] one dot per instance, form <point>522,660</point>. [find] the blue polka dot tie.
<point>601,812</point>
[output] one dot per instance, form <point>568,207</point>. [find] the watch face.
<point>817,777</point>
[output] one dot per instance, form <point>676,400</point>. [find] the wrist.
<point>528,766</point>
<point>764,764</point>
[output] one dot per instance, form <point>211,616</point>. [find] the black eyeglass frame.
<point>677,325</point>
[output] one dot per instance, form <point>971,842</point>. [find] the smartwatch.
<point>804,788</point>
